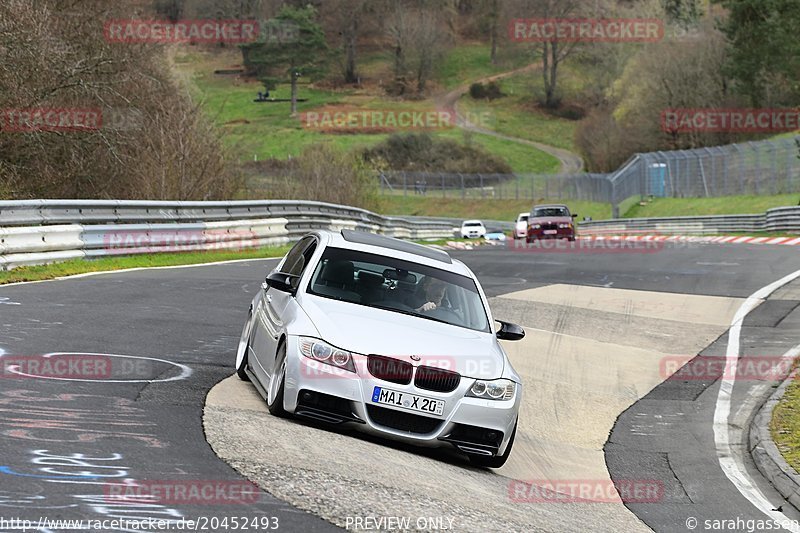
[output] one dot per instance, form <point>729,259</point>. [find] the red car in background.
<point>550,222</point>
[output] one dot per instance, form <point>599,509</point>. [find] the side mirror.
<point>281,282</point>
<point>510,332</point>
<point>574,215</point>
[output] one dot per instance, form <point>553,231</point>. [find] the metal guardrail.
<point>43,231</point>
<point>780,219</point>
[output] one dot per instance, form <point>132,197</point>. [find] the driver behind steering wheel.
<point>433,293</point>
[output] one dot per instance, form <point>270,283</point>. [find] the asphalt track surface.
<point>67,444</point>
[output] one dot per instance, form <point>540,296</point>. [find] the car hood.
<point>549,220</point>
<point>365,330</point>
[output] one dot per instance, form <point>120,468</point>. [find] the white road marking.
<point>7,301</point>
<point>734,470</point>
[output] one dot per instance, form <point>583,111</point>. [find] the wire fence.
<point>593,187</point>
<point>752,168</point>
<point>757,168</point>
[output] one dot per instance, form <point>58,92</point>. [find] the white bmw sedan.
<point>392,338</point>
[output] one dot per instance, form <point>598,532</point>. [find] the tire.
<point>497,461</point>
<point>276,388</point>
<point>243,351</point>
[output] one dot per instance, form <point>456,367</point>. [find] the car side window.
<point>298,257</point>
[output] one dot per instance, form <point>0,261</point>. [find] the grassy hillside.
<point>265,130</point>
<point>518,115</point>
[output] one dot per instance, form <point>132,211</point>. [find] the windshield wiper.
<point>411,313</point>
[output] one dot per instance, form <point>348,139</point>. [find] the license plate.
<point>550,231</point>
<point>407,401</point>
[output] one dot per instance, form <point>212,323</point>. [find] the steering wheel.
<point>445,314</point>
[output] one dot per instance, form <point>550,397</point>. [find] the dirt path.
<point>571,163</point>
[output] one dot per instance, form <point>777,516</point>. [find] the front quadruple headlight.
<point>325,353</point>
<point>565,225</point>
<point>498,389</point>
<point>536,226</point>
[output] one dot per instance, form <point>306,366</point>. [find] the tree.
<point>554,52</point>
<point>152,141</point>
<point>765,56</point>
<point>675,74</point>
<point>683,12</point>
<point>492,13</point>
<point>348,21</point>
<point>172,9</point>
<point>296,48</point>
<point>419,42</point>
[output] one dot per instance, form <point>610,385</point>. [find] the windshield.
<point>399,286</point>
<point>473,224</point>
<point>551,212</point>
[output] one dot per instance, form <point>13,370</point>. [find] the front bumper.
<point>558,233</point>
<point>319,391</point>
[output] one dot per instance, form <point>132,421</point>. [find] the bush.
<point>421,152</point>
<point>324,174</point>
<point>490,91</point>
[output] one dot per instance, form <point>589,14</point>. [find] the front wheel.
<point>277,384</point>
<point>241,353</point>
<point>498,460</point>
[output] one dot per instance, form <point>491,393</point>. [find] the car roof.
<point>474,221</point>
<point>381,241</point>
<point>550,205</point>
<point>336,239</point>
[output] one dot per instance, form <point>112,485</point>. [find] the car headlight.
<point>565,226</point>
<point>498,389</point>
<point>536,226</point>
<point>325,353</point>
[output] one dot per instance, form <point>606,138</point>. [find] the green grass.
<point>517,114</point>
<point>468,63</point>
<point>521,158</point>
<point>724,205</point>
<point>82,266</point>
<point>484,209</point>
<point>508,209</point>
<point>785,425</point>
